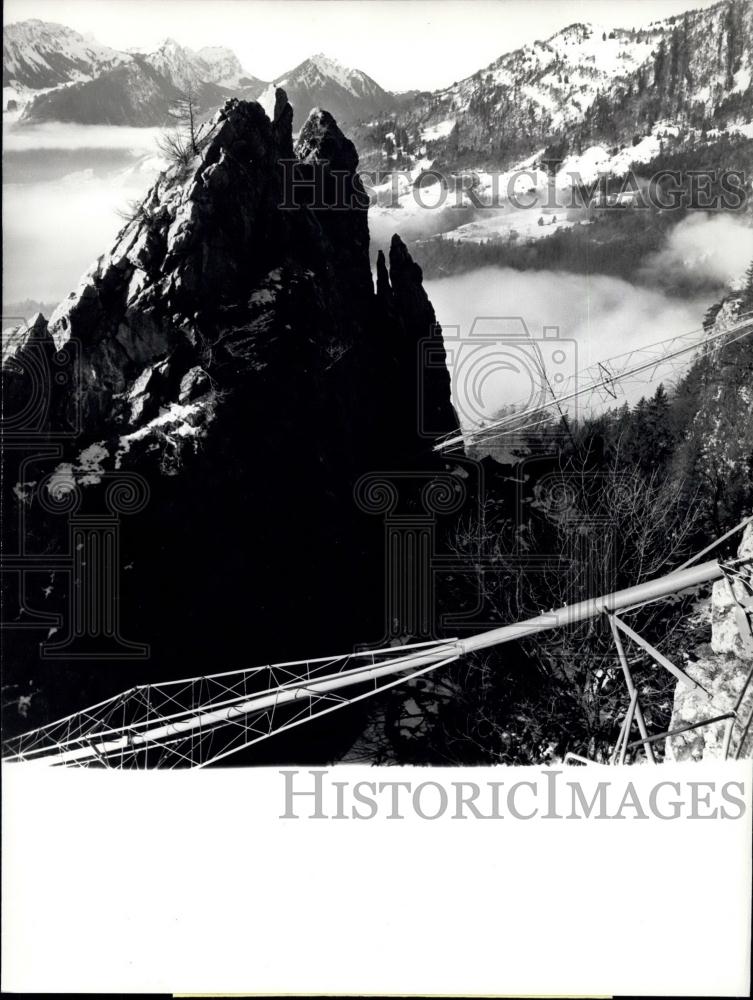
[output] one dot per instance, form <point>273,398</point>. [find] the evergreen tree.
<point>660,65</point>
<point>710,316</point>
<point>747,293</point>
<point>658,434</point>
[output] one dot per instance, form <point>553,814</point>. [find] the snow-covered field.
<point>513,204</point>
<point>512,223</point>
<point>439,131</point>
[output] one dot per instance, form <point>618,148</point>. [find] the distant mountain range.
<point>52,73</point>
<point>583,85</point>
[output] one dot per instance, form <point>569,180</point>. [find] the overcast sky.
<point>402,44</point>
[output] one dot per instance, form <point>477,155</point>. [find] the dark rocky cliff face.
<point>231,364</point>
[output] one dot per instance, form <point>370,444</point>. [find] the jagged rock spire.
<point>321,139</point>
<point>383,290</point>
<point>235,355</point>
<point>282,121</point>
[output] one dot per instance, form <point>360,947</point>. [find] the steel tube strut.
<point>633,692</point>
<point>591,608</point>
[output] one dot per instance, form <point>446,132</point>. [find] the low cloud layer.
<point>703,249</point>
<point>69,135</point>
<point>59,215</point>
<point>598,317</point>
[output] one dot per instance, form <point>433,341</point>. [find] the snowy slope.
<point>701,72</point>
<point>587,84</point>
<point>320,70</point>
<point>517,103</point>
<point>38,55</point>
<point>176,63</point>
<point>556,79</point>
<point>131,94</point>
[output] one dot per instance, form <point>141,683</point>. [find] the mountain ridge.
<point>135,96</point>
<point>524,96</point>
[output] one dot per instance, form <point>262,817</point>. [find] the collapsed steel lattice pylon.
<point>202,720</point>
<point>598,382</point>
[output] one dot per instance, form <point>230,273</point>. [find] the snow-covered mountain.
<point>212,64</point>
<point>57,75</point>
<point>349,94</point>
<point>62,76</point>
<point>176,63</point>
<point>131,94</point>
<point>505,110</point>
<point>583,83</point>
<point>38,55</point>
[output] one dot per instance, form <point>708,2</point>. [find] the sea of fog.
<point>63,187</point>
<point>502,328</point>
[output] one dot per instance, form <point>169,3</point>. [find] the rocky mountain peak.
<point>222,66</point>
<point>176,63</point>
<point>326,63</point>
